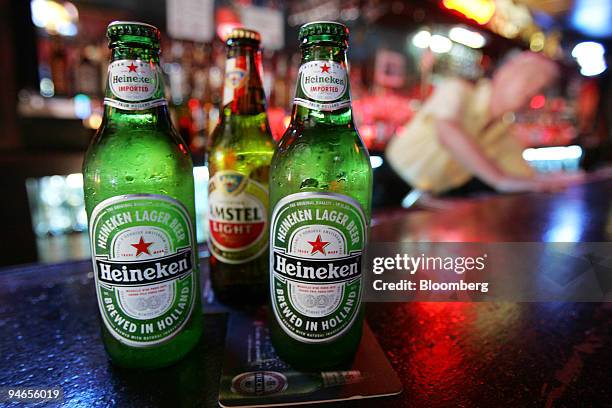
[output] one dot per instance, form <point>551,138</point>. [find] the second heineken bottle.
<point>320,195</point>
<point>239,155</point>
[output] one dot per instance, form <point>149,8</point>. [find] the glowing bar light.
<point>480,11</point>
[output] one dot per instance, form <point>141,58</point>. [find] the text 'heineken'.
<point>239,156</point>
<point>139,195</point>
<point>320,193</point>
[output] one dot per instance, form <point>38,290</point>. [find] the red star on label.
<point>318,245</point>
<point>325,68</point>
<point>142,247</point>
<point>132,67</point>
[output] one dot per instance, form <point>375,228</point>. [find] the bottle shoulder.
<point>304,140</point>
<point>129,148</point>
<point>242,133</point>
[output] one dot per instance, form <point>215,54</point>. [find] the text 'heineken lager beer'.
<point>239,156</point>
<point>139,195</point>
<point>320,193</point>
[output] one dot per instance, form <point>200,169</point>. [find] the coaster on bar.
<point>254,376</point>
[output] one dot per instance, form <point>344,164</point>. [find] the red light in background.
<point>480,11</point>
<point>193,104</point>
<point>227,19</point>
<point>537,102</point>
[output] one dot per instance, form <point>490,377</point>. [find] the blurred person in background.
<point>458,143</point>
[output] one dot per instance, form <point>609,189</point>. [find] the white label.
<point>323,81</point>
<point>132,80</point>
<point>133,84</point>
<point>235,78</point>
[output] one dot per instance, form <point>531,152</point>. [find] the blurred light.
<point>509,30</point>
<point>200,173</point>
<point>421,39</point>
<point>94,121</point>
<point>193,104</point>
<point>467,37</point>
<point>536,42</point>
<point>592,17</point>
<point>590,57</point>
<point>227,19</point>
<point>47,89</point>
<point>411,198</point>
<point>537,102</point>
<point>74,180</point>
<point>376,161</point>
<point>553,153</point>
<point>587,49</point>
<point>440,44</point>
<point>82,106</point>
<point>54,17</point>
<point>480,11</point>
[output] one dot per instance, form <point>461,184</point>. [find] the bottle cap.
<point>318,31</point>
<point>132,31</point>
<point>244,34</point>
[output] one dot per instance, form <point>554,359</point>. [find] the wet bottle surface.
<point>239,155</point>
<point>139,196</point>
<point>320,193</point>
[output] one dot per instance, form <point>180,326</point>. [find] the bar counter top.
<point>446,354</point>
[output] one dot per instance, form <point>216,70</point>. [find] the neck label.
<point>236,77</point>
<point>323,85</point>
<point>134,85</point>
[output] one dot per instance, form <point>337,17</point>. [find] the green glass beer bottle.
<point>239,155</point>
<point>320,195</point>
<point>139,196</point>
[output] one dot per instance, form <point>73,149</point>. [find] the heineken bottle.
<point>320,193</point>
<point>239,155</point>
<point>138,181</point>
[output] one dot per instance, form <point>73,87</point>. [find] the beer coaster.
<point>254,376</point>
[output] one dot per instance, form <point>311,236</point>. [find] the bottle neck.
<point>322,94</point>
<point>135,88</point>
<point>243,92</point>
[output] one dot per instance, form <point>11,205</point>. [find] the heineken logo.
<point>310,271</point>
<point>132,80</point>
<point>323,81</point>
<point>139,273</point>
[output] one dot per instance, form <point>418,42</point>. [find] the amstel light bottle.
<point>239,155</point>
<point>139,195</point>
<point>320,193</point>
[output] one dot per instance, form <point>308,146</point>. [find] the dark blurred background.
<point>54,57</point>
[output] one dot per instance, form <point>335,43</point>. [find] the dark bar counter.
<point>446,354</point>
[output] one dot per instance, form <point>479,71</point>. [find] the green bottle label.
<point>144,259</point>
<point>315,264</point>
<point>323,85</point>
